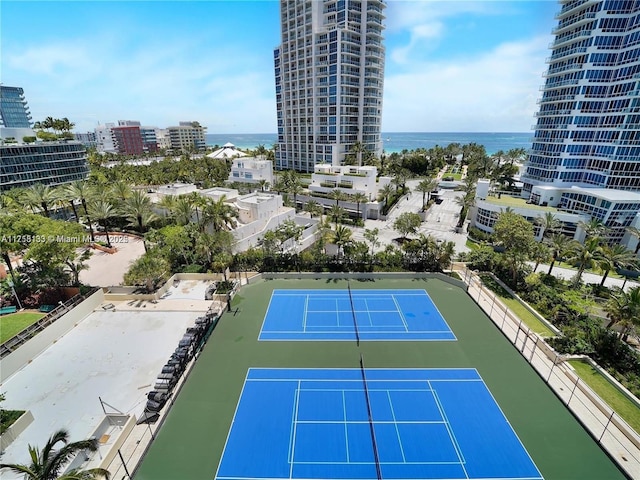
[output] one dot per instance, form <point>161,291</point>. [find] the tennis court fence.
<point>610,430</point>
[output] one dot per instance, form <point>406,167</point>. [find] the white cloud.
<point>424,20</point>
<point>419,34</point>
<point>51,59</point>
<point>496,91</point>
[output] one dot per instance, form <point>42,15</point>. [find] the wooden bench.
<point>7,310</point>
<point>46,308</point>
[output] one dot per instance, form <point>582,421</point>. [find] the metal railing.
<point>607,428</point>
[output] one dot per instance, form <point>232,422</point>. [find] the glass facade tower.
<point>14,112</point>
<point>329,72</point>
<point>588,124</point>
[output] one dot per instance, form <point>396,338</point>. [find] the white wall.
<point>38,344</point>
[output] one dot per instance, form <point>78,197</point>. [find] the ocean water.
<point>397,141</point>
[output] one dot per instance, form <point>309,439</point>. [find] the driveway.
<point>440,221</point>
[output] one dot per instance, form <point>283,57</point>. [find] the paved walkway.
<point>108,269</point>
<point>611,431</point>
<point>587,277</point>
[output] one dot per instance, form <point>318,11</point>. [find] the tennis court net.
<point>376,458</point>
<point>353,313</point>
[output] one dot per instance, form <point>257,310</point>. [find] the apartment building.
<point>329,72</point>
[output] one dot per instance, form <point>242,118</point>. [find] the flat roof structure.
<point>110,355</point>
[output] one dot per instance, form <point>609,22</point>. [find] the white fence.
<point>618,439</point>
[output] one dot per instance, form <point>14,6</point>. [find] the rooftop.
<point>516,202</point>
<point>608,194</point>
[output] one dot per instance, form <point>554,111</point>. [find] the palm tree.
<point>337,195</point>
<point>102,211</point>
<point>293,185</point>
<point>196,200</point>
<point>81,190</point>
<point>585,255</point>
<point>182,210</point>
<point>465,202</point>
<point>540,253</point>
<point>121,191</point>
<point>39,195</point>
<point>614,257</point>
<point>635,232</point>
<point>560,245</point>
<point>594,227</point>
<point>137,208</point>
<point>356,153</point>
<point>48,463</point>
<point>314,208</point>
<point>359,198</point>
<point>341,237</point>
<point>219,214</point>
<point>548,223</point>
<point>624,308</point>
<point>336,213</point>
<point>426,186</point>
<point>264,184</point>
<point>385,192</point>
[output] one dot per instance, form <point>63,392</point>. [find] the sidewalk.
<point>610,431</point>
<point>587,277</point>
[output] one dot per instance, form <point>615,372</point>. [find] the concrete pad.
<point>188,290</point>
<point>115,355</point>
<point>107,269</point>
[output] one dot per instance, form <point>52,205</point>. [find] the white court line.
<point>295,424</point>
<point>233,420</point>
<point>361,311</point>
<point>406,327</point>
<point>334,380</point>
<point>368,312</point>
<point>371,332</point>
<point>393,414</point>
<point>452,435</point>
<point>304,317</point>
<point>366,422</point>
<point>346,432</point>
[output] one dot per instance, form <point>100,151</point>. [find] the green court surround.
<point>190,443</point>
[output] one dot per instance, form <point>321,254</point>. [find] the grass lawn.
<point>472,245</point>
<point>529,319</point>
<point>624,407</point>
<point>11,324</point>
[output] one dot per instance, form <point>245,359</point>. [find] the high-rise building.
<point>585,157</point>
<point>14,112</point>
<point>49,163</point>
<point>187,137</point>
<point>329,72</point>
<point>588,125</point>
<point>26,161</point>
<point>127,138</point>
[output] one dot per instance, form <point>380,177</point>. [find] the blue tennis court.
<point>328,315</point>
<point>427,423</point>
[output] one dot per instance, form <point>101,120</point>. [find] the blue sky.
<point>471,66</point>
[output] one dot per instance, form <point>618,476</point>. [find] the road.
<point>440,221</point>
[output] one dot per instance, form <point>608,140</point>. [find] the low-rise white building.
<point>176,189</point>
<point>251,170</point>
<point>616,209</point>
<point>259,213</point>
<point>349,179</point>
